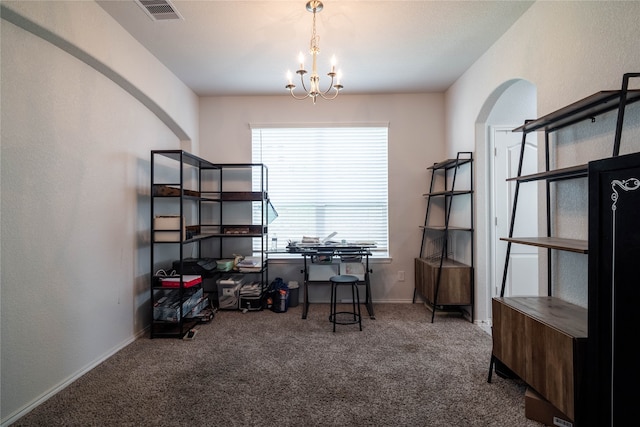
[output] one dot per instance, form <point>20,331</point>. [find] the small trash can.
<point>294,293</point>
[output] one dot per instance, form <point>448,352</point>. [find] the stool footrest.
<point>334,318</point>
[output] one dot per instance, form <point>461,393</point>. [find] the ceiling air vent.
<point>159,10</point>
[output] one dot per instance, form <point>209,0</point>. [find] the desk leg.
<point>305,288</point>
<point>368,301</point>
<point>305,305</point>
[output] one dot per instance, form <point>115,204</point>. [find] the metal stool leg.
<point>353,300</point>
<point>331,310</point>
<point>334,310</point>
<point>355,285</point>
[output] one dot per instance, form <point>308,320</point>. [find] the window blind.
<point>324,180</point>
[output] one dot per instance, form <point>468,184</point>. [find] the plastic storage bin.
<point>229,292</point>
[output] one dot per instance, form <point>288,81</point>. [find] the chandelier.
<point>313,89</point>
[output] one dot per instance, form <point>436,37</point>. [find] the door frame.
<point>495,275</point>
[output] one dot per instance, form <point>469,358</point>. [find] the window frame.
<point>372,194</point>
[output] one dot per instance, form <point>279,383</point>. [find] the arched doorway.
<point>509,105</point>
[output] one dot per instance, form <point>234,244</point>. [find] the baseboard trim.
<point>485,325</point>
<point>12,418</point>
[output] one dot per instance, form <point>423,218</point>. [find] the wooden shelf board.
<point>442,228</point>
<point>571,245</point>
<point>185,157</point>
<point>557,174</point>
<point>561,315</point>
<point>449,163</point>
<point>448,193</point>
<point>586,108</point>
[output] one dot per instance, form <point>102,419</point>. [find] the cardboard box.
<point>172,224</point>
<point>537,408</point>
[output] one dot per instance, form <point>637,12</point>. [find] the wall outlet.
<point>400,276</point>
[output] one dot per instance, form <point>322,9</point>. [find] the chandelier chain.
<point>315,39</point>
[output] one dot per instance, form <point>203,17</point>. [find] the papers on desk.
<point>310,240</point>
<point>330,244</point>
<point>249,264</point>
<point>364,244</point>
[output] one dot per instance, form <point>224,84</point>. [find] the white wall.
<point>568,50</point>
<point>416,136</point>
<point>76,134</point>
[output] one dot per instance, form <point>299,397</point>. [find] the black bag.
<point>277,296</point>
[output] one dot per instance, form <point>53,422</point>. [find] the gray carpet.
<point>265,368</point>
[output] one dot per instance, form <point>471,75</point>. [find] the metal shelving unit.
<point>440,279</point>
<point>195,195</point>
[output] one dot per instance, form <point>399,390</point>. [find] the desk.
<point>321,255</point>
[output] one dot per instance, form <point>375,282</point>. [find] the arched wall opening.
<point>508,106</point>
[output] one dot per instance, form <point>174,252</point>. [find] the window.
<point>325,180</point>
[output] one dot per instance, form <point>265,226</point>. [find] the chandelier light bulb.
<point>312,87</point>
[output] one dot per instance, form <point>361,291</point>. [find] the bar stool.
<point>343,279</point>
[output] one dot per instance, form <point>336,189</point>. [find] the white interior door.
<point>522,275</point>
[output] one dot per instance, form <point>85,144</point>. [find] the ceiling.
<point>247,47</point>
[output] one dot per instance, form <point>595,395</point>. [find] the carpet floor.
<point>264,368</point>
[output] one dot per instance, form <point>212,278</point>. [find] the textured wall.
<point>74,200</point>
<point>567,50</point>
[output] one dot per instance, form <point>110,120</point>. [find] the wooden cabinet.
<point>543,341</point>
<point>441,277</point>
<point>455,277</point>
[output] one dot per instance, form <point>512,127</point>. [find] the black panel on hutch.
<point>614,291</point>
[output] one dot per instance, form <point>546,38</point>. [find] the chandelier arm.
<point>302,83</point>
<point>298,97</point>
<point>329,98</point>
<point>331,86</point>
